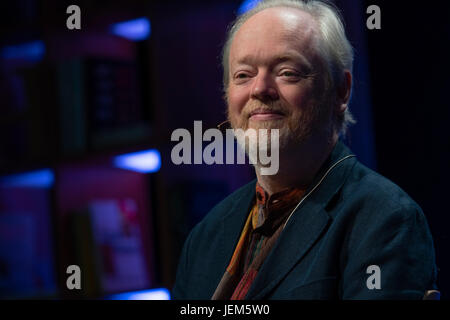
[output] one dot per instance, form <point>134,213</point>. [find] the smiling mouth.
<point>264,115</point>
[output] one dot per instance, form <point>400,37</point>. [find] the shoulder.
<point>216,214</point>
<point>375,210</point>
<point>369,189</point>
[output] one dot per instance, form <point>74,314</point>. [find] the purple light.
<point>152,294</point>
<point>142,161</point>
<point>135,30</point>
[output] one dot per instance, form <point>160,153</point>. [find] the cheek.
<point>298,98</point>
<point>237,99</point>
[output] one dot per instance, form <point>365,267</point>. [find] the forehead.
<point>274,32</point>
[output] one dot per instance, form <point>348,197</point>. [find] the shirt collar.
<point>271,210</point>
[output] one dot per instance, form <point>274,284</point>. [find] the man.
<point>324,226</point>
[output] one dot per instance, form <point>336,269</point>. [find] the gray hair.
<point>334,46</point>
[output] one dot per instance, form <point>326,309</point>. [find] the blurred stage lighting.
<point>31,51</point>
<point>36,179</point>
<point>247,5</point>
<point>142,161</point>
<point>135,30</point>
<point>152,294</point>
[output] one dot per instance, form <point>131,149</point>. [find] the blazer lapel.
<point>232,224</point>
<point>299,235</point>
<point>307,224</point>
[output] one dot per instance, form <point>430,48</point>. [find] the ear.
<point>343,92</point>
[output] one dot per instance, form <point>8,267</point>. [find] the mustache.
<point>253,108</point>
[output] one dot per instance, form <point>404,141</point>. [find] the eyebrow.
<point>292,56</point>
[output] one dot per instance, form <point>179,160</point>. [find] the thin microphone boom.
<point>223,125</point>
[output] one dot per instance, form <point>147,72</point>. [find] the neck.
<point>298,166</point>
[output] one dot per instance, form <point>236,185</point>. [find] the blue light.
<point>143,161</point>
<point>136,30</point>
<point>32,51</point>
<point>38,179</point>
<point>153,294</point>
<point>247,5</point>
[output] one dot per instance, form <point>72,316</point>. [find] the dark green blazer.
<point>354,219</point>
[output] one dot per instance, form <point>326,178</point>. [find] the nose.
<point>264,87</point>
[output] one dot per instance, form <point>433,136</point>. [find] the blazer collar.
<point>303,229</point>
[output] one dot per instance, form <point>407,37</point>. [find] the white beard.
<point>260,144</point>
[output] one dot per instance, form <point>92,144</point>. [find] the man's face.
<point>277,79</point>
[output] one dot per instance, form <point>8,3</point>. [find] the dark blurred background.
<point>87,115</point>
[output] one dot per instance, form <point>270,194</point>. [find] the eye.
<point>241,75</point>
<point>289,74</point>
